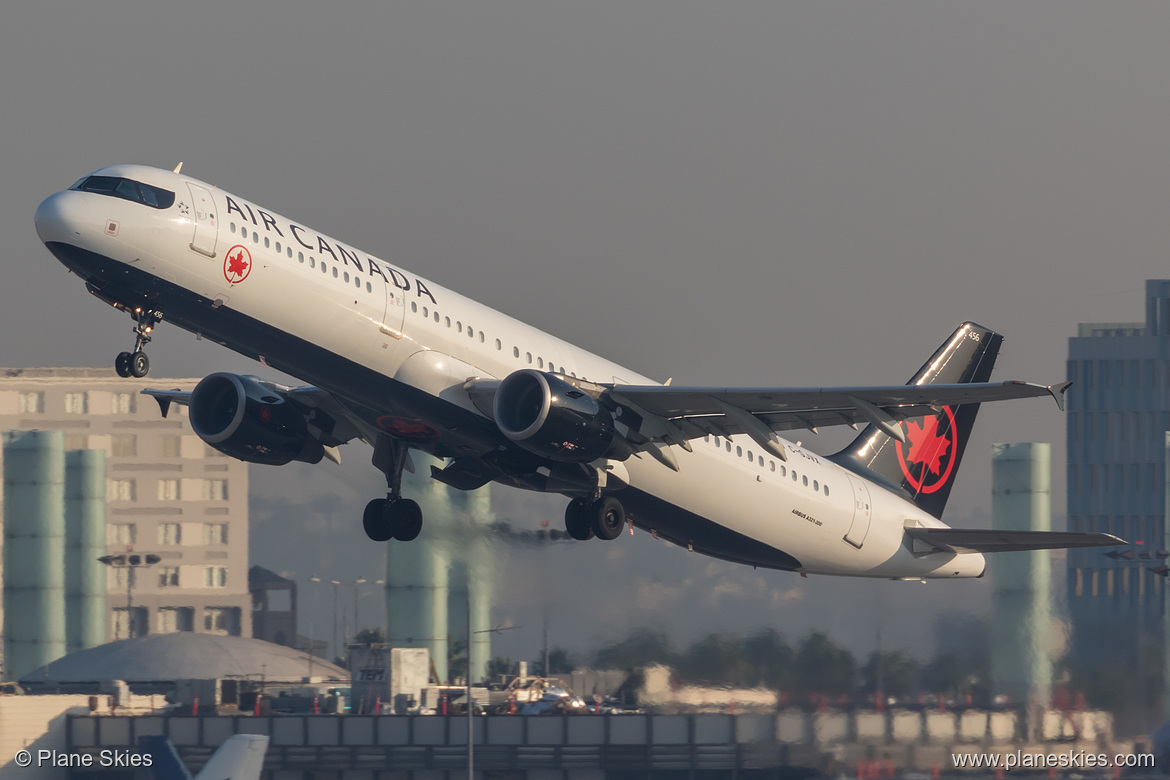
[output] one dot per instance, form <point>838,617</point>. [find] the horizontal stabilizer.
<point>987,541</point>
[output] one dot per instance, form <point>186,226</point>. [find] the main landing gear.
<point>604,518</point>
<point>137,364</point>
<point>392,517</point>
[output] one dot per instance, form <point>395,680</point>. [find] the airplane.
<point>402,363</point>
<point>240,757</point>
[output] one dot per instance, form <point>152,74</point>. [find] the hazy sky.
<point>767,193</point>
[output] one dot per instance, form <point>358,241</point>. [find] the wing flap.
<point>985,540</point>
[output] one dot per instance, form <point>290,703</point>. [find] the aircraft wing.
<point>986,541</point>
<point>674,415</point>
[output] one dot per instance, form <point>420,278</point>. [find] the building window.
<point>173,619</point>
<point>77,403</point>
<point>121,403</point>
<point>215,577</point>
<point>221,620</point>
<point>123,576</point>
<point>215,490</point>
<point>128,624</point>
<point>170,533</point>
<point>122,533</point>
<point>124,445</point>
<point>168,577</point>
<point>168,490</point>
<point>170,446</point>
<point>32,403</point>
<point>215,533</point>
<point>121,490</point>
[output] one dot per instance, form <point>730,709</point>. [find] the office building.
<point>167,494</point>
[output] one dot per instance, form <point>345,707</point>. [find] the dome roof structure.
<point>185,655</point>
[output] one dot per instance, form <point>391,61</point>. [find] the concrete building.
<point>1118,412</point>
<point>433,581</point>
<point>1022,624</point>
<point>167,494</point>
<point>274,606</point>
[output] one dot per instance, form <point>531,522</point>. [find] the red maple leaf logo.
<point>927,446</point>
<point>237,265</point>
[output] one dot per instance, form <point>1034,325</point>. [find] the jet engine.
<point>552,418</point>
<point>240,417</point>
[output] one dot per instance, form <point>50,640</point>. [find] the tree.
<point>559,662</point>
<point>643,647</point>
<point>823,667</point>
<point>370,636</point>
<point>893,673</point>
<point>500,665</point>
<point>771,658</point>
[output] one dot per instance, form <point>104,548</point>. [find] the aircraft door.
<point>206,225</point>
<point>862,512</point>
<point>389,334</point>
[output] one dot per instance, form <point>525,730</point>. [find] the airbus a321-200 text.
<point>402,363</point>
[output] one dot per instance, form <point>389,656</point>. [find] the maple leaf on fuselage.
<point>237,266</point>
<point>926,445</point>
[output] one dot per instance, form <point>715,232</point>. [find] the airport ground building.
<point>1118,418</point>
<point>167,494</point>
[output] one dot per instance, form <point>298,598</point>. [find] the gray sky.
<point>768,193</point>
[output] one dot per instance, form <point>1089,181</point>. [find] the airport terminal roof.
<point>185,656</point>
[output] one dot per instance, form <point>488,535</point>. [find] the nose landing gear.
<point>137,364</point>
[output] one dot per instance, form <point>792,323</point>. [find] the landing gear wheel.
<point>122,364</point>
<point>608,516</point>
<point>376,521</point>
<point>407,519</point>
<point>577,519</point>
<point>139,365</point>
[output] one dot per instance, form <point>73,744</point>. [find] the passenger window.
<point>357,282</point>
<point>266,244</point>
<point>783,470</point>
<point>540,362</point>
<point>278,249</point>
<point>290,252</point>
<point>414,307</point>
<point>324,269</point>
<point>255,237</point>
<point>794,476</point>
<point>529,356</point>
<point>751,457</point>
<point>816,485</point>
<point>804,480</point>
<point>312,262</point>
<point>481,337</point>
<point>232,227</point>
<point>515,352</point>
<point>499,344</point>
<point>458,326</point>
<point>369,287</point>
<point>739,452</point>
<point>334,272</point>
<point>346,275</point>
<point>772,465</point>
<point>729,446</point>
<point>717,441</point>
<point>826,490</point>
<point>300,257</point>
<point>448,322</point>
<point>707,438</point>
<point>436,316</point>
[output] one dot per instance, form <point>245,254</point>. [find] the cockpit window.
<point>127,189</point>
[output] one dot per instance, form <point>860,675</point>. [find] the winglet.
<point>1058,391</point>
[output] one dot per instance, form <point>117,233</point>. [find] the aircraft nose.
<point>61,217</point>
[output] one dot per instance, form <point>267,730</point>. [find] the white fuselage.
<point>410,329</point>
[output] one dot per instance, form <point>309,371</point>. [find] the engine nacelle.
<point>552,418</point>
<point>244,419</point>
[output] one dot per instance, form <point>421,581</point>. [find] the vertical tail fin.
<point>924,468</point>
